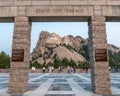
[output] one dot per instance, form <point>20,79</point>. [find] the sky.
<point>61,28</point>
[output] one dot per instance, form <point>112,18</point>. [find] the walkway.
<point>59,85</point>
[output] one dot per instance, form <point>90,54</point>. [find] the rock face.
<point>46,40</point>
<point>113,48</point>
<point>53,39</point>
<point>74,42</point>
<point>51,44</point>
<point>40,46</point>
<point>62,52</point>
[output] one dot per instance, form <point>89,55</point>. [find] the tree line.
<point>64,63</point>
<point>114,60</point>
<point>4,60</point>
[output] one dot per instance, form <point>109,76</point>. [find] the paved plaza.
<point>54,84</point>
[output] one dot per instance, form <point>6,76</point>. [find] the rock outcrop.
<point>74,42</point>
<point>62,52</point>
<point>113,48</point>
<point>68,47</point>
<point>50,44</point>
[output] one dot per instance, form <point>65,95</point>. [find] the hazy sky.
<point>63,28</point>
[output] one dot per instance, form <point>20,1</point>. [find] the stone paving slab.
<point>59,95</point>
<point>59,85</point>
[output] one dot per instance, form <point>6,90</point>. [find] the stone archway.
<point>94,11</point>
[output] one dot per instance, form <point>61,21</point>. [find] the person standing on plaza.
<point>52,69</point>
<point>43,69</point>
<point>74,69</point>
<point>33,69</point>
<point>68,68</point>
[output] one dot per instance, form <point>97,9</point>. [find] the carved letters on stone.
<point>79,10</point>
<point>58,10</point>
<point>18,55</point>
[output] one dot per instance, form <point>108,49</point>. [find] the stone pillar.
<point>18,81</point>
<point>100,75</point>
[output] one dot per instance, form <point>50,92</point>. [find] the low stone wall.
<point>40,71</point>
<point>4,70</point>
<point>55,71</point>
<point>63,71</point>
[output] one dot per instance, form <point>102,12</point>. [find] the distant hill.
<point>51,46</point>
